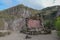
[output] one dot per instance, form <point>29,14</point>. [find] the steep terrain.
<point>13,14</point>
<point>20,11</point>
<point>50,14</point>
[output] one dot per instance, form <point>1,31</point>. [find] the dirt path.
<point>52,36</point>
<point>19,36</point>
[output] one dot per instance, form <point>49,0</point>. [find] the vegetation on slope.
<point>48,13</point>
<point>1,23</point>
<point>57,24</point>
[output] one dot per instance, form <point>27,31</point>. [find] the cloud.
<point>31,3</point>
<point>37,4</point>
<point>44,3</point>
<point>47,3</point>
<point>57,2</point>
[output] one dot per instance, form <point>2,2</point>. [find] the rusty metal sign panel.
<point>34,23</point>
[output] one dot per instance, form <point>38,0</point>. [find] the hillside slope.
<point>21,11</point>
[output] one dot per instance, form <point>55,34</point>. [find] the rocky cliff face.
<point>14,25</point>
<point>19,10</point>
<point>14,17</point>
<point>18,24</point>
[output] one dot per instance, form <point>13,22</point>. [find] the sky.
<point>36,4</point>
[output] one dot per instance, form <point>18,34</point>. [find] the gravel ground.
<point>19,36</point>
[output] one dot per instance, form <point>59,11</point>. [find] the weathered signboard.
<point>34,23</point>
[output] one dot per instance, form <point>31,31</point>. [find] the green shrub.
<point>58,32</point>
<point>57,24</point>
